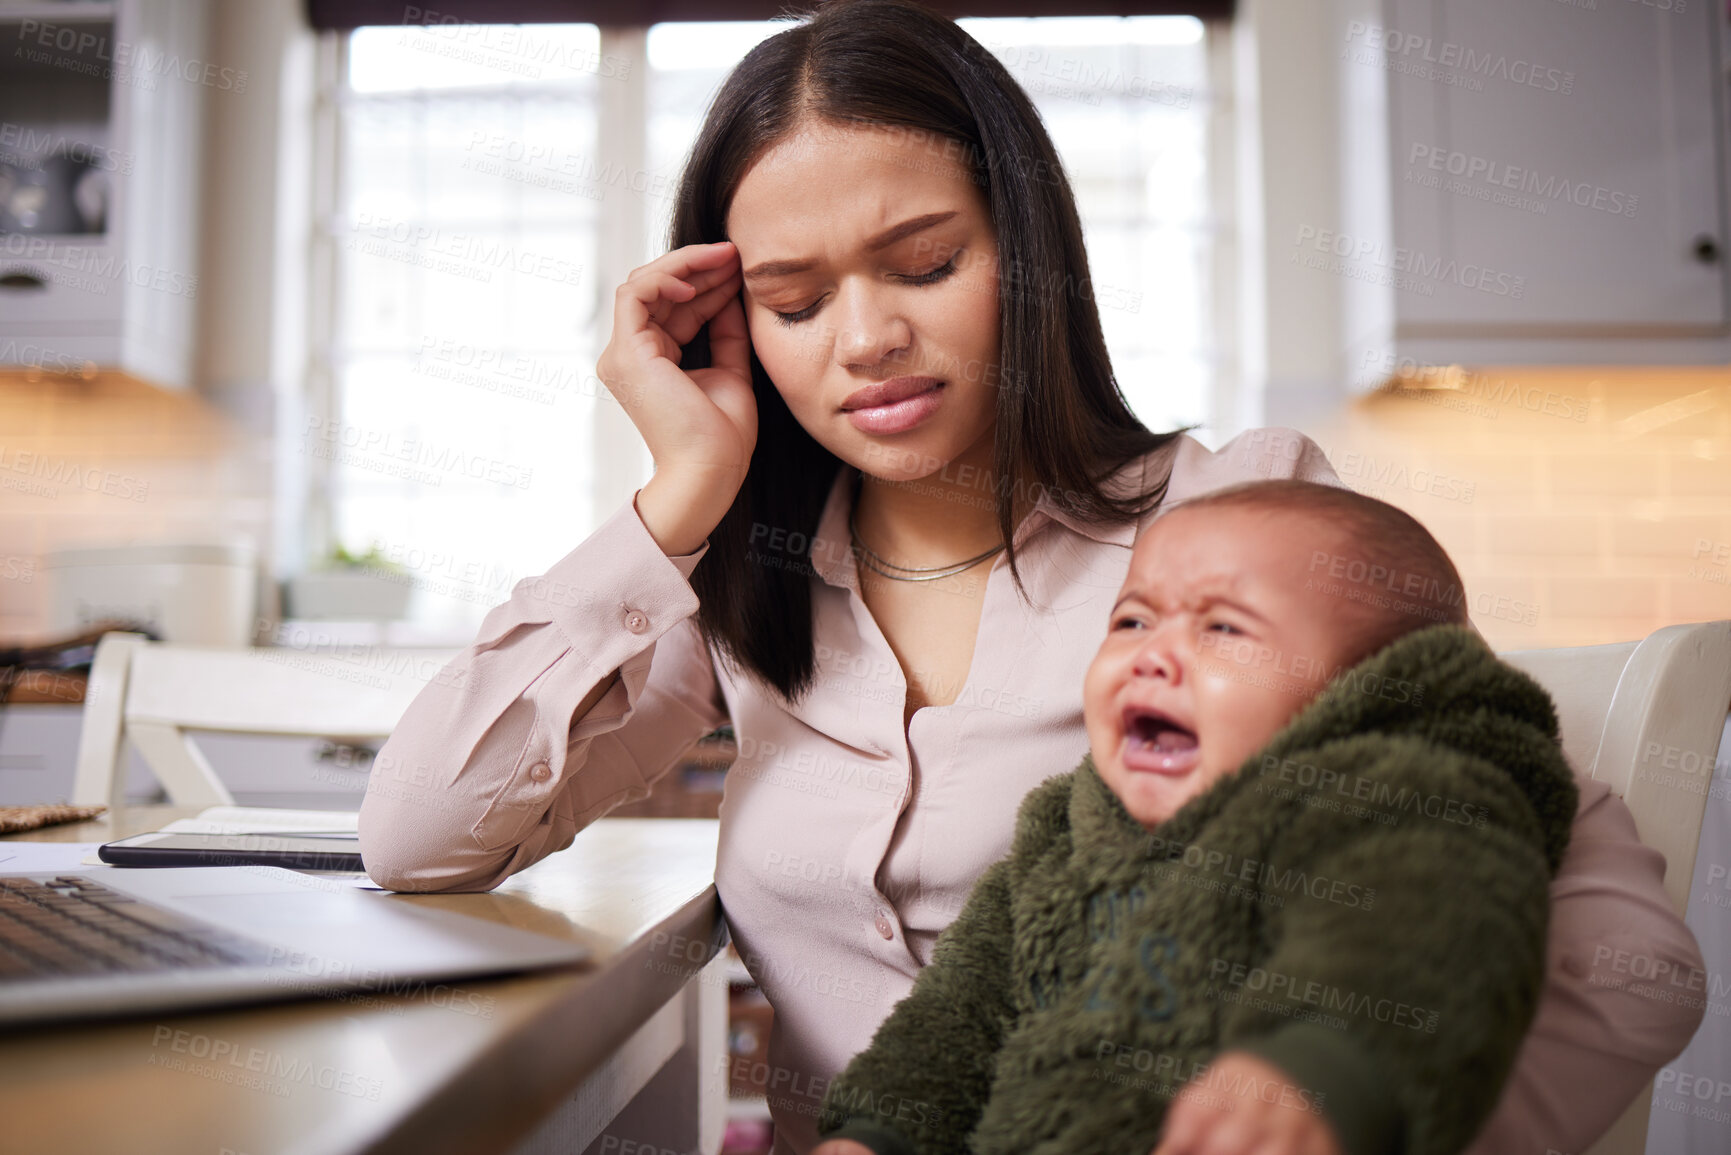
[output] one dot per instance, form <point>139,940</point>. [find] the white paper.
<point>30,857</point>
<point>261,820</point>
<point>356,879</point>
<point>35,857</point>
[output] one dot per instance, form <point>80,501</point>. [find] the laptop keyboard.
<point>73,925</point>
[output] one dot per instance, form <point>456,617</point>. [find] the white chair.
<point>1645,717</point>
<point>152,694</point>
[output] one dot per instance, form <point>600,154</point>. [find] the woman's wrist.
<point>674,512</point>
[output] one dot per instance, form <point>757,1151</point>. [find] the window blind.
<point>347,14</point>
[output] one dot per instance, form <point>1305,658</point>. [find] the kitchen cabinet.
<point>1556,178</point>
<point>101,117</point>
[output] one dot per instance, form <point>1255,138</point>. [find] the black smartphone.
<point>293,849</point>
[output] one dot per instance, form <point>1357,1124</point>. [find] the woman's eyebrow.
<point>906,229</point>
<point>882,240</point>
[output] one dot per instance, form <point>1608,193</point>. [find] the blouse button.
<point>636,620</point>
<point>539,772</point>
<point>884,927</point>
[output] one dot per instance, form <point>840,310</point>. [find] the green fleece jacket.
<point>1362,904</point>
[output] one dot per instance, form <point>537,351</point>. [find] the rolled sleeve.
<point>1600,1033</point>
<point>489,770</point>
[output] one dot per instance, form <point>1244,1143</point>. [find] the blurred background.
<point>300,300</point>
<point>320,294</point>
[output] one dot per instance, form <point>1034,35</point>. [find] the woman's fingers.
<point>682,274</point>
<point>670,296</point>
<point>1184,1127</point>
<point>1234,1135</point>
<point>686,319</point>
<point>690,418</point>
<point>707,265</point>
<point>647,298</point>
<point>701,264</point>
<point>693,259</point>
<point>730,340</point>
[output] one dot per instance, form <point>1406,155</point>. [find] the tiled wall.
<point>113,462</point>
<point>1581,505</point>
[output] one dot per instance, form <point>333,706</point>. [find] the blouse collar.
<point>831,547</point>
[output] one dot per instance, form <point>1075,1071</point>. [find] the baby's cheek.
<point>1229,754</point>
<point>1092,683</point>
<point>1257,722</point>
<point>1097,694</point>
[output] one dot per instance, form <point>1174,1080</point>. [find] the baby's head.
<point>1238,608</point>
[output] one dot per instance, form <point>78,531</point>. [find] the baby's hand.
<point>841,1147</point>
<point>1226,1111</point>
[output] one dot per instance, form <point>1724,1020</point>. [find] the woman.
<point>895,489</point>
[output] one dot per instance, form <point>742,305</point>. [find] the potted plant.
<point>366,586</point>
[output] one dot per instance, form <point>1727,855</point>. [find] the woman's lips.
<point>900,415</point>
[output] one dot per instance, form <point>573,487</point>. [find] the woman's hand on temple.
<point>700,424</point>
<point>1226,1111</point>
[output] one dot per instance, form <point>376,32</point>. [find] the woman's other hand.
<point>700,424</point>
<point>1241,1105</point>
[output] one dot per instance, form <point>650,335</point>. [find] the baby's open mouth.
<point>1153,741</point>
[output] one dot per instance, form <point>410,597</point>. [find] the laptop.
<point>106,941</point>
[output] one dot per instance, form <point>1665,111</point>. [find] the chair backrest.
<point>151,694</point>
<point>1646,719</point>
<point>1582,680</point>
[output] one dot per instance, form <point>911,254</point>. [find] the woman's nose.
<point>868,330</point>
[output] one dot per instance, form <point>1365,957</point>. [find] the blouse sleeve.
<point>489,771</point>
<point>1599,1035</point>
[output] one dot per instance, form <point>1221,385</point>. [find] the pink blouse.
<point>848,842</point>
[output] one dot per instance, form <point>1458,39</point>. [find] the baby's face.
<point>1214,645</point>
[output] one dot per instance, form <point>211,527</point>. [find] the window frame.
<point>307,491</point>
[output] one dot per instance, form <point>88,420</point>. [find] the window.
<point>1126,104</point>
<point>476,217</point>
<point>463,329</point>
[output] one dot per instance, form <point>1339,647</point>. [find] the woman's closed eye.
<point>796,317</point>
<point>931,277</point>
<point>936,274</point>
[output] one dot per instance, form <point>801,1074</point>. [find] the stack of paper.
<point>261,820</point>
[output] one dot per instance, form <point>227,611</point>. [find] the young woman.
<point>895,490</point>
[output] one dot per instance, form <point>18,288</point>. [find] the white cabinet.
<point>101,120</point>
<point>1557,178</point>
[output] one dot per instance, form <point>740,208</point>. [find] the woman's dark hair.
<point>1062,423</point>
